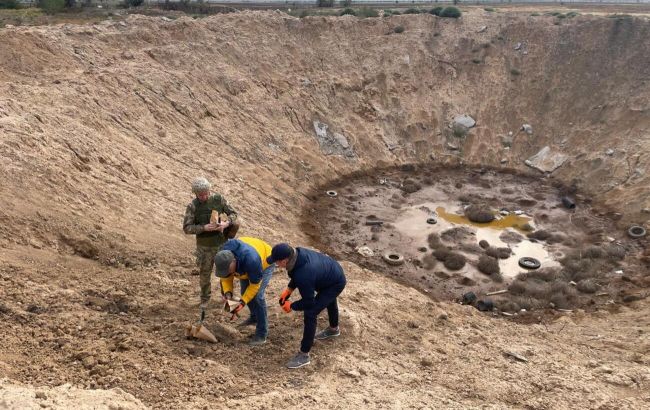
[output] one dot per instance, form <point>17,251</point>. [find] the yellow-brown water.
<point>509,221</point>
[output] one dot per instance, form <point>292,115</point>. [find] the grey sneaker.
<point>327,333</point>
<point>257,341</point>
<point>248,322</point>
<point>299,360</point>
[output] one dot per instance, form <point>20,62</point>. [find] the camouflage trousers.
<point>205,263</point>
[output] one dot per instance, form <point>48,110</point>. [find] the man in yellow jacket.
<point>245,259</point>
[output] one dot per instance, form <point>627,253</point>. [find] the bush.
<point>488,265</point>
<point>514,71</point>
<point>508,306</point>
<point>429,262</point>
<point>615,252</point>
<point>489,9</point>
<point>593,252</point>
<point>500,253</point>
<point>456,234</point>
<point>479,213</point>
<point>560,301</point>
<point>452,12</point>
<point>476,61</point>
<point>133,3</point>
<point>367,12</point>
<point>8,4</point>
<point>441,254</point>
<point>541,275</point>
<point>203,8</point>
<point>51,6</point>
<point>540,235</point>
<point>587,286</point>
<point>348,11</point>
<point>434,240</point>
<point>412,10</point>
<point>459,130</point>
<point>483,244</point>
<point>454,261</point>
<point>398,29</point>
<point>409,186</point>
<point>517,287</point>
<point>436,11</point>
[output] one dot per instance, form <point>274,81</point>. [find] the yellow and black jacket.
<point>250,254</point>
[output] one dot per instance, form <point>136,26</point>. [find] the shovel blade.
<point>202,333</point>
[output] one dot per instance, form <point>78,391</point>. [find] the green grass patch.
<point>51,6</point>
<point>365,12</point>
<point>9,4</point>
<point>413,10</point>
<point>436,11</point>
<point>450,12</point>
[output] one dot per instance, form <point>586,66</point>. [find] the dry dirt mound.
<point>17,397</point>
<point>104,125</point>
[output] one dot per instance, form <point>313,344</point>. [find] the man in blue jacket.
<point>245,259</point>
<point>320,280</point>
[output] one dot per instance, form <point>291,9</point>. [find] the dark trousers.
<point>326,298</point>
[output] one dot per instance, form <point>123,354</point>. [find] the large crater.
<point>453,230</point>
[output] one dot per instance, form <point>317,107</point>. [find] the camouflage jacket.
<point>193,223</point>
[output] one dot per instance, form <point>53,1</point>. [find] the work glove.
<point>286,306</point>
<point>285,295</point>
<point>235,311</point>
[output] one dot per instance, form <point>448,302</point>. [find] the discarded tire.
<point>485,305</point>
<point>469,298</point>
<point>529,263</point>
<point>636,232</point>
<point>432,220</point>
<point>394,259</point>
<point>331,193</point>
<point>568,203</point>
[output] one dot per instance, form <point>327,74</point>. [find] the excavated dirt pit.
<point>411,224</point>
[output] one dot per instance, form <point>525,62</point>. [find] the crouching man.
<point>245,259</point>
<point>320,280</point>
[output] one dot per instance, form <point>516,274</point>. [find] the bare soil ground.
<point>103,126</point>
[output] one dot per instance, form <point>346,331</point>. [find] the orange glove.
<point>286,306</point>
<point>235,311</point>
<point>285,295</point>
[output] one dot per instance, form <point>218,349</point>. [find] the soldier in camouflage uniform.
<point>209,236</point>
